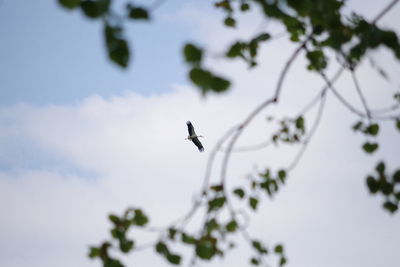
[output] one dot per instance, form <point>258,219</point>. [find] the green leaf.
<point>239,192</point>
<point>187,239</point>
<point>125,245</point>
<point>172,233</point>
<point>370,147</point>
<point>357,126</point>
<point>162,248</point>
<point>231,226</point>
<point>372,184</point>
<point>380,167</point>
<point>397,195</point>
<point>94,9</point>
<point>259,247</point>
<point>206,249</point>
<point>317,60</point>
<point>255,261</point>
<point>282,176</point>
<point>390,206</point>
<point>282,261</point>
<point>372,129</point>
<point>386,188</point>
<point>140,218</point>
<point>138,13</point>
<point>174,259</point>
<point>230,22</point>
<point>113,218</point>
<point>211,225</point>
<point>244,7</point>
<point>217,188</point>
<point>216,203</point>
<point>261,37</point>
<point>398,124</point>
<point>192,54</point>
<point>278,249</point>
<point>396,176</point>
<point>71,4</point>
<point>94,252</point>
<point>117,47</point>
<point>235,50</point>
<point>219,84</point>
<point>253,202</point>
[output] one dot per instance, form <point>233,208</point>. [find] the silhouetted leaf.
<point>205,248</point>
<point>357,126</point>
<point>140,218</point>
<point>114,219</point>
<point>380,167</point>
<point>235,50</point>
<point>174,259</point>
<point>162,248</point>
<point>398,124</point>
<point>138,13</point>
<point>125,245</point>
<point>372,129</point>
<point>370,147</point>
<point>117,47</point>
<point>193,54</point>
<point>231,226</point>
<point>278,249</point>
<point>282,176</point>
<point>253,202</point>
<point>94,9</point>
<point>187,239</point>
<point>94,252</point>
<point>390,206</point>
<point>216,203</point>
<point>317,60</point>
<point>396,176</point>
<point>259,247</point>
<point>239,192</point>
<point>255,261</point>
<point>219,84</point>
<point>69,3</point>
<point>282,261</point>
<point>230,22</point>
<point>244,7</point>
<point>172,233</point>
<point>372,184</point>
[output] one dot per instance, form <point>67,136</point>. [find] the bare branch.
<point>384,11</point>
<point>360,93</point>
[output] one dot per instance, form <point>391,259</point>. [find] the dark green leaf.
<point>216,203</point>
<point>255,261</point>
<point>239,192</point>
<point>390,206</point>
<point>95,9</point>
<point>372,129</point>
<point>125,245</point>
<point>261,37</point>
<point>370,147</point>
<point>235,50</point>
<point>187,239</point>
<point>386,188</point>
<point>259,247</point>
<point>138,13</point>
<point>317,60</point>
<point>396,176</point>
<point>282,176</point>
<point>253,202</point>
<point>205,249</point>
<point>380,167</point>
<point>231,226</point>
<point>211,225</point>
<point>372,184</point>
<point>69,3</point>
<point>172,233</point>
<point>219,84</point>
<point>140,218</point>
<point>217,188</point>
<point>174,258</point>
<point>113,218</point>
<point>110,262</point>
<point>230,22</point>
<point>397,195</point>
<point>357,126</point>
<point>193,54</point>
<point>398,124</point>
<point>244,7</point>
<point>162,248</point>
<point>117,47</point>
<point>282,261</point>
<point>278,249</point>
<point>94,252</point>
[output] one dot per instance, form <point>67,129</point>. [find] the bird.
<point>193,137</point>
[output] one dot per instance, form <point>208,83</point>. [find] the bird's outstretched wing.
<point>190,128</point>
<point>197,142</point>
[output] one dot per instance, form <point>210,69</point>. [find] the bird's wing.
<point>197,142</point>
<point>190,128</point>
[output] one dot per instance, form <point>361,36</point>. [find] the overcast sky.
<point>80,138</point>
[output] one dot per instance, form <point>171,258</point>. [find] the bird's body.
<point>193,137</point>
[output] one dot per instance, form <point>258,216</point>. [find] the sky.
<point>80,138</point>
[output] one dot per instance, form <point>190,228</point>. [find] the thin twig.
<point>360,93</point>
<point>384,11</point>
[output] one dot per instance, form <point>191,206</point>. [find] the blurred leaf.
<point>138,12</point>
<point>244,7</point>
<point>140,218</point>
<point>117,47</point>
<point>95,9</point>
<point>217,188</point>
<point>372,184</point>
<point>231,226</point>
<point>235,50</point>
<point>230,22</point>
<point>162,248</point>
<point>113,218</point>
<point>282,176</point>
<point>69,3</point>
<point>372,129</point>
<point>255,261</point>
<point>193,54</point>
<point>253,202</point>
<point>94,252</point>
<point>398,124</point>
<point>380,167</point>
<point>370,147</point>
<point>125,245</point>
<point>187,239</point>
<point>278,249</point>
<point>216,203</point>
<point>396,176</point>
<point>206,249</point>
<point>172,233</point>
<point>390,206</point>
<point>317,60</point>
<point>357,126</point>
<point>174,259</point>
<point>239,192</point>
<point>282,261</point>
<point>259,247</point>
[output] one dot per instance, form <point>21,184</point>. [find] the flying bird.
<point>193,137</point>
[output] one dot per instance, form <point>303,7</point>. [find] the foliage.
<point>318,28</point>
